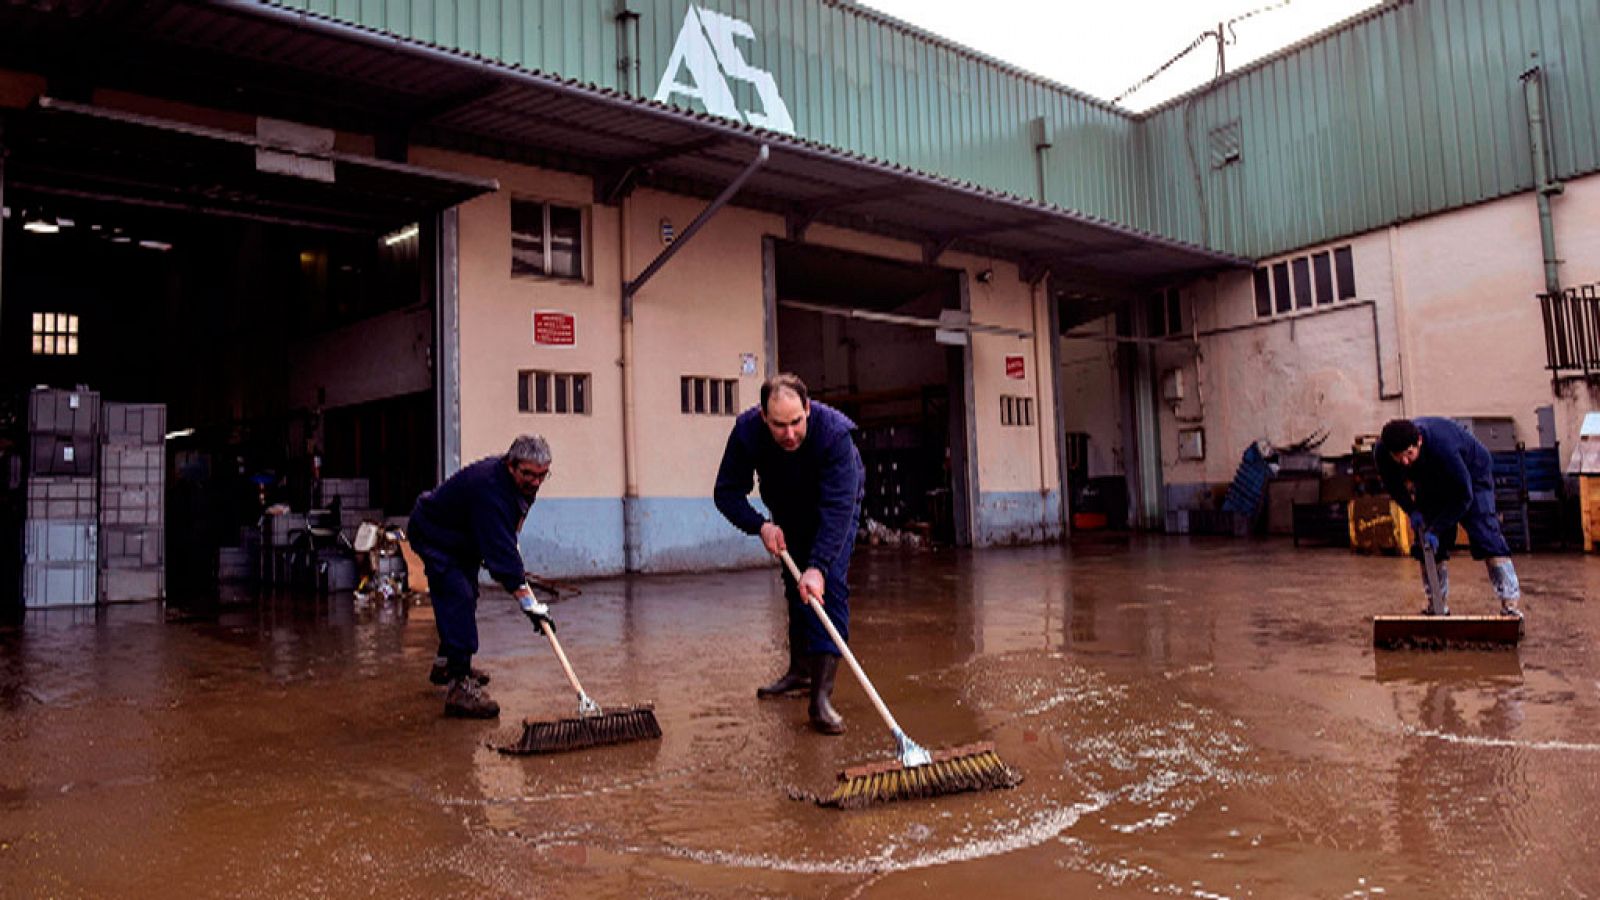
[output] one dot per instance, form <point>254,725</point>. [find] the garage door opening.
<point>260,334</point>
<point>281,357</point>
<point>853,327</point>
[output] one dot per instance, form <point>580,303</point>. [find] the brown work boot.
<point>440,673</point>
<point>824,718</point>
<point>793,681</point>
<point>467,699</point>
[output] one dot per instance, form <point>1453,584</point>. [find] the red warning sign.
<point>1016,368</point>
<point>554,329</point>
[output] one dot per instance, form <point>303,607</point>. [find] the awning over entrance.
<point>303,67</point>
<point>73,151</point>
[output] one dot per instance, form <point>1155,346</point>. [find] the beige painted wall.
<point>695,317</point>
<point>497,329</point>
<point>1458,327</point>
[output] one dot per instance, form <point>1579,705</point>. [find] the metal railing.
<point>1572,330</point>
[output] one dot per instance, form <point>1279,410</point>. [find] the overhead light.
<point>41,226</point>
<point>163,246</point>
<point>404,234</point>
<point>65,223</point>
<point>180,433</point>
<point>122,239</point>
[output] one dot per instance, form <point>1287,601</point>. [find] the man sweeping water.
<point>1441,476</point>
<point>811,480</point>
<point>473,519</point>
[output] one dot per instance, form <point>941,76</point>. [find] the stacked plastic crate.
<point>59,534</point>
<point>132,492</point>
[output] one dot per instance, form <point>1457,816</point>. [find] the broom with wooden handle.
<point>591,727</point>
<point>917,773</point>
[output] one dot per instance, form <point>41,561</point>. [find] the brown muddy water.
<point>1194,719</point>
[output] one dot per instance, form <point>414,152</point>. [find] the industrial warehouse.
<point>270,271</point>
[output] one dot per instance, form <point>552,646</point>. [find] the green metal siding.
<point>852,79</point>
<point>1409,112</point>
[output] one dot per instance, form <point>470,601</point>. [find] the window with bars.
<point>546,240</point>
<point>704,396</point>
<point>1305,282</point>
<point>1016,412</point>
<point>55,334</point>
<point>559,393</point>
<point>1164,313</point>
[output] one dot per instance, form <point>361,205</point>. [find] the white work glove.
<point>537,613</point>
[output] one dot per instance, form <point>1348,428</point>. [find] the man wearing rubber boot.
<point>1441,475</point>
<point>473,519</point>
<point>811,480</point>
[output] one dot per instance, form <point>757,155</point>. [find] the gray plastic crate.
<point>46,585</point>
<point>135,423</point>
<point>61,497</point>
<point>58,412</point>
<point>124,585</point>
<point>59,541</point>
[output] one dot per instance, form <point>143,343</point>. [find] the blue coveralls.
<point>471,519</point>
<point>1454,481</point>
<point>814,494</point>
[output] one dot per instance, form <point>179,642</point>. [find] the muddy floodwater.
<point>1194,718</point>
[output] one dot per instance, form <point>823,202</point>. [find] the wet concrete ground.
<point>1197,718</point>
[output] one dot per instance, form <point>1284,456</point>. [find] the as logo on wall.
<point>706,53</point>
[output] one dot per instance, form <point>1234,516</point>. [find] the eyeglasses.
<point>535,477</point>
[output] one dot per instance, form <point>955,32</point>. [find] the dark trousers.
<point>453,585</point>
<point>1484,538</point>
<point>806,634</point>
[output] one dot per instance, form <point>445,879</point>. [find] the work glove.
<point>537,613</point>
<point>1431,540</point>
<point>1418,526</point>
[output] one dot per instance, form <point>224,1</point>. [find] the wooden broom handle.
<point>866,683</point>
<point>572,677</point>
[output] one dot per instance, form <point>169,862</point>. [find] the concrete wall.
<point>1445,321</point>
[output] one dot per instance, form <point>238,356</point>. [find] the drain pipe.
<point>1543,185</point>
<point>630,462</point>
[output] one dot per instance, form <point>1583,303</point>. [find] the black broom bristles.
<point>975,767</point>
<point>616,727</point>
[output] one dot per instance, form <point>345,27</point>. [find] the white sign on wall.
<point>706,47</point>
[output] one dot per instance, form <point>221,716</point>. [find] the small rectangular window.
<point>1324,274</point>
<point>1155,316</point>
<point>1263,293</point>
<point>1174,312</point>
<point>55,334</point>
<point>562,393</point>
<point>1016,412</point>
<point>708,396</point>
<point>563,385</point>
<point>546,240</point>
<point>541,385</point>
<point>1280,286</point>
<point>1302,283</point>
<point>1344,265</point>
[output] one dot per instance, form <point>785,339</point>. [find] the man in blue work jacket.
<point>811,481</point>
<point>473,519</point>
<point>1441,475</point>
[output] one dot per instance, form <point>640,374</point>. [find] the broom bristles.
<point>615,727</point>
<point>975,767</point>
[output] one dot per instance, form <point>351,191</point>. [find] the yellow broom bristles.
<point>957,774</point>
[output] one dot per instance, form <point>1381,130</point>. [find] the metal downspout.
<point>632,534</point>
<point>630,462</point>
<point>1543,185</point>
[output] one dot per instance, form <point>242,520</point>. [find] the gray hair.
<point>529,448</point>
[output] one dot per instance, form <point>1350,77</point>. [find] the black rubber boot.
<point>797,679</point>
<point>824,718</point>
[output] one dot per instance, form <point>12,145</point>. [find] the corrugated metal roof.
<point>267,55</point>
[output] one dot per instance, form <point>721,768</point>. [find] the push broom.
<point>591,727</point>
<point>917,773</point>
